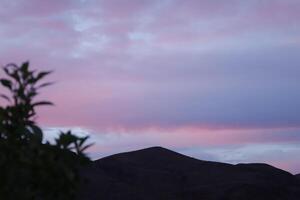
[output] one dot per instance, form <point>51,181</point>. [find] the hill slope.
<point>160,174</point>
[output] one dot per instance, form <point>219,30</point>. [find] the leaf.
<point>11,65</point>
<point>45,84</point>
<point>6,71</point>
<point>42,75</point>
<point>12,71</point>
<point>6,83</point>
<point>5,97</point>
<point>24,67</point>
<point>86,147</point>
<point>82,140</point>
<point>32,93</point>
<point>43,103</point>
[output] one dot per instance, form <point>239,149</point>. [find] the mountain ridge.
<point>159,173</point>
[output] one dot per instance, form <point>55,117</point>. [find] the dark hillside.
<point>158,173</point>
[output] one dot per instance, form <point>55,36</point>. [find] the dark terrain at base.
<point>160,174</point>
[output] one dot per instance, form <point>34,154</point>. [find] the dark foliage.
<point>31,168</point>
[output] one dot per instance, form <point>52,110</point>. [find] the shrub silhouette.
<point>30,168</point>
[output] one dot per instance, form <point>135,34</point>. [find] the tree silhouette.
<point>30,168</point>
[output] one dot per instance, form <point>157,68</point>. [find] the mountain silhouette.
<point>157,173</point>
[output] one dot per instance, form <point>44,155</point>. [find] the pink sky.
<point>214,79</point>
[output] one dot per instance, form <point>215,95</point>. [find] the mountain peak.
<point>155,150</point>
<point>152,155</point>
<point>159,148</point>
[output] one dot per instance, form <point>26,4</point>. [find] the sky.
<point>213,79</point>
